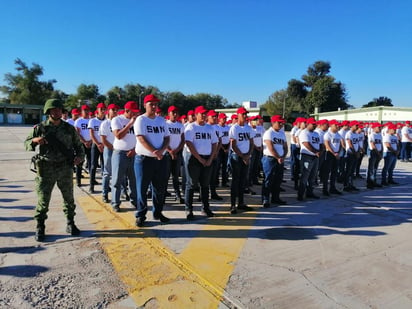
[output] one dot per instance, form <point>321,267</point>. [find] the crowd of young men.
<point>139,151</point>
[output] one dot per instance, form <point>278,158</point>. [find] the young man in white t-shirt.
<point>123,154</point>
<point>390,154</point>
<point>174,150</point>
<point>201,141</point>
<point>274,153</point>
<point>309,142</point>
<point>256,152</point>
<point>97,146</point>
<point>75,115</point>
<point>328,172</point>
<point>212,121</point>
<point>406,141</point>
<point>374,152</point>
<point>150,164</point>
<point>107,137</point>
<point>241,145</point>
<point>352,155</point>
<point>81,126</point>
<point>223,150</point>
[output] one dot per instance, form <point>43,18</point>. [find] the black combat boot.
<point>72,228</point>
<point>40,231</point>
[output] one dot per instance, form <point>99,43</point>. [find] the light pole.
<point>140,100</point>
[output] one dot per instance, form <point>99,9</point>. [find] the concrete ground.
<point>351,251</point>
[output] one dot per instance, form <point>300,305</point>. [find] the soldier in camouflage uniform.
<point>60,148</point>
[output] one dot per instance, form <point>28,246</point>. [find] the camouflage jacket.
<point>63,142</point>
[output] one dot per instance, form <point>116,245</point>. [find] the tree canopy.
<point>381,101</point>
<point>317,89</point>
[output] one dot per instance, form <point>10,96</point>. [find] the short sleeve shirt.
<point>278,139</point>
<point>155,130</point>
<point>82,124</point>
<point>242,135</point>
<point>176,129</point>
<point>392,140</point>
<point>258,138</point>
<point>354,138</point>
<point>106,130</point>
<point>334,140</point>
<point>224,134</point>
<point>94,124</point>
<point>312,138</point>
<point>375,138</point>
<point>128,142</point>
<point>202,137</point>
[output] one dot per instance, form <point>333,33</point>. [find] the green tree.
<point>25,87</point>
<point>381,101</point>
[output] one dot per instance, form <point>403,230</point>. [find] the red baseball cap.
<point>85,108</point>
<point>191,112</point>
<point>376,125</point>
<point>391,126</point>
<point>172,108</point>
<point>242,110</point>
<point>407,122</point>
<point>212,113</point>
<point>234,116</point>
<point>91,114</point>
<point>345,123</point>
<point>132,106</point>
<point>120,112</point>
<point>323,121</point>
<point>311,121</point>
<point>333,121</point>
<point>113,106</point>
<point>300,119</point>
<point>222,116</point>
<point>101,105</point>
<point>277,118</point>
<point>353,123</point>
<point>151,98</point>
<point>258,117</point>
<point>158,109</point>
<point>182,117</point>
<point>200,110</point>
<point>75,111</point>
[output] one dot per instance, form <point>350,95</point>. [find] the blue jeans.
<point>107,170</point>
<point>405,151</point>
<point>273,177</point>
<point>122,167</point>
<point>389,166</point>
<point>149,170</point>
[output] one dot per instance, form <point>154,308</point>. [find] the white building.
<point>369,114</point>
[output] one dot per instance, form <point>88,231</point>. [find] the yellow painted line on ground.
<point>153,273</point>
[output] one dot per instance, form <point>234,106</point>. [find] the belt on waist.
<point>308,155</point>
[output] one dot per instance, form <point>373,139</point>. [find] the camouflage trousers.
<point>48,174</point>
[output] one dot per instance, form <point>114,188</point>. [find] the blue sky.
<point>242,50</point>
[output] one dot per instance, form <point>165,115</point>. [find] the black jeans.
<point>351,160</point>
<point>374,159</point>
<point>309,168</point>
<point>328,171</point>
<point>173,168</point>
<point>222,165</point>
<point>95,155</point>
<point>197,174</point>
<point>239,178</point>
<point>79,167</point>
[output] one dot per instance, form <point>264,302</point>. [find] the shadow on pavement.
<point>22,271</point>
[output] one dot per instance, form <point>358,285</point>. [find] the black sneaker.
<point>266,205</point>
<point>279,201</point>
<point>162,218</point>
<point>40,233</point>
<point>244,207</point>
<point>208,212</point>
<point>334,191</point>
<point>325,193</point>
<point>140,222</point>
<point>181,200</point>
<point>312,196</point>
<point>370,186</point>
<point>384,183</point>
<point>105,199</point>
<point>377,185</point>
<point>116,208</point>
<point>391,182</point>
<point>72,229</point>
<point>347,189</point>
<point>190,216</point>
<point>300,197</point>
<point>353,188</point>
<point>233,210</point>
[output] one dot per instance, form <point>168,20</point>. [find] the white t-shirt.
<point>296,134</point>
<point>176,129</point>
<point>310,137</point>
<point>384,131</point>
<point>343,132</point>
<point>392,140</point>
<point>334,140</point>
<point>321,133</point>
<point>375,138</point>
<point>154,130</point>
<point>278,139</point>
<point>70,121</point>
<point>224,134</point>
<point>354,138</point>
<point>94,124</point>
<point>292,133</point>
<point>407,131</point>
<point>82,124</point>
<point>106,130</point>
<point>242,135</point>
<point>202,138</point>
<point>128,142</point>
<point>258,138</point>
